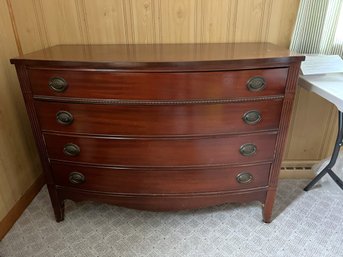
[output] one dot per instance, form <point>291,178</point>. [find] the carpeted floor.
<point>305,224</point>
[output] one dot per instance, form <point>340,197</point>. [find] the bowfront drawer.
<point>162,152</point>
<point>160,181</point>
<point>163,86</point>
<point>159,120</point>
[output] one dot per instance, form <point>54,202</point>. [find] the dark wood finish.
<point>158,86</point>
<point>165,57</point>
<point>159,127</point>
<point>161,180</point>
<point>161,152</point>
<point>159,120</point>
<point>56,201</point>
<point>172,202</point>
<point>284,122</point>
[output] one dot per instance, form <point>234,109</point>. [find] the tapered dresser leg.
<point>268,206</point>
<point>59,212</point>
<point>57,203</point>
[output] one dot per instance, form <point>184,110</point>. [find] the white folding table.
<point>330,87</point>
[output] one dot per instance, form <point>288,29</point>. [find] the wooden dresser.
<point>160,127</point>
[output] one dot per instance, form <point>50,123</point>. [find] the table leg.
<point>328,168</point>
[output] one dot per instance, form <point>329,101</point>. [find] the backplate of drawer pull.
<point>256,84</point>
<point>64,117</point>
<point>248,149</point>
<point>76,178</point>
<point>71,149</point>
<point>58,84</point>
<point>244,178</point>
<point>252,117</point>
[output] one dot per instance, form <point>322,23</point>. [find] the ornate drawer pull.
<point>252,117</point>
<point>256,84</point>
<point>58,84</point>
<point>71,149</point>
<point>76,178</point>
<point>64,117</point>
<point>244,178</point>
<point>248,149</point>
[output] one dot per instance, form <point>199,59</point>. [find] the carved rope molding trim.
<point>154,102</point>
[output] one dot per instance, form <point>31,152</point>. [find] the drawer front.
<point>162,152</point>
<point>160,181</point>
<point>159,120</point>
<point>152,86</point>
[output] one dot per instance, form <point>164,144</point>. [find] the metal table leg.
<point>328,168</point>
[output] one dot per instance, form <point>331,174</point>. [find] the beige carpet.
<point>305,224</point>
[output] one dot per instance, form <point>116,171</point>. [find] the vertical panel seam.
<point>160,21</point>
<point>132,22</point>
<point>195,22</point>
<point>153,19</point>
<point>14,27</point>
<point>79,20</point>
<point>270,7</point>
<point>262,13</point>
<point>126,28</point>
<point>235,21</point>
<point>45,30</point>
<point>38,24</point>
<point>86,21</point>
<point>228,21</point>
<point>202,21</point>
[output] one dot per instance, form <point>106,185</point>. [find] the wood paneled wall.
<point>34,24</point>
<point>19,165</point>
<point>313,129</point>
<point>45,23</point>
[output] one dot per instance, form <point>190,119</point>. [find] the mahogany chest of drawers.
<point>160,127</point>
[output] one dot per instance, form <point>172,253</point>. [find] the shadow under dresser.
<point>160,127</point>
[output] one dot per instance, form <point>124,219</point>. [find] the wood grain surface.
<point>153,21</point>
<point>38,24</point>
<point>243,81</point>
<point>32,25</point>
<point>159,86</point>
<point>19,162</point>
<point>162,152</point>
<point>163,202</point>
<point>159,120</point>
<point>162,180</point>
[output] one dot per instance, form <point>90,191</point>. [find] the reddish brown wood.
<point>161,180</point>
<point>159,120</point>
<point>158,86</point>
<point>162,57</point>
<point>284,123</point>
<point>173,202</point>
<point>160,126</point>
<point>162,152</point>
<point>56,201</point>
<point>268,205</point>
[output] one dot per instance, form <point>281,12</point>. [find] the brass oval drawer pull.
<point>248,149</point>
<point>256,84</point>
<point>252,117</point>
<point>76,178</point>
<point>58,84</point>
<point>71,149</point>
<point>64,117</point>
<point>244,178</point>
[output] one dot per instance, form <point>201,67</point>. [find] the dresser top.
<point>160,56</point>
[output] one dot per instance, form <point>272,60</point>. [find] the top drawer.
<point>158,86</point>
